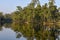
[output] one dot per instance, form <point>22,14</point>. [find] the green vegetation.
<point>40,22</point>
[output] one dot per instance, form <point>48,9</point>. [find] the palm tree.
<point>53,1</point>
<point>35,2</point>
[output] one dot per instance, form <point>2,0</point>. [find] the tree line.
<point>40,22</point>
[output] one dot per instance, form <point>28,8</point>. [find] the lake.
<point>15,32</point>
<point>9,34</point>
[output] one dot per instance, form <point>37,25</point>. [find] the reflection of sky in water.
<point>58,37</point>
<point>8,34</point>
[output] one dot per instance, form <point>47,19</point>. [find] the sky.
<point>8,6</point>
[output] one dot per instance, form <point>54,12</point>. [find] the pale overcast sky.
<point>8,6</point>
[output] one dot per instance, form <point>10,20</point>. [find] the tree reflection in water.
<point>40,22</point>
<point>30,33</point>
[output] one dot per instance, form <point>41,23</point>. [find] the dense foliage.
<point>41,22</point>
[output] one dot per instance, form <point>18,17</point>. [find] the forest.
<point>35,20</point>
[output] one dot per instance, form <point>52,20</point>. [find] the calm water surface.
<point>9,34</point>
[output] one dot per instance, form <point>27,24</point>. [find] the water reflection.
<point>13,31</point>
<point>9,34</point>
